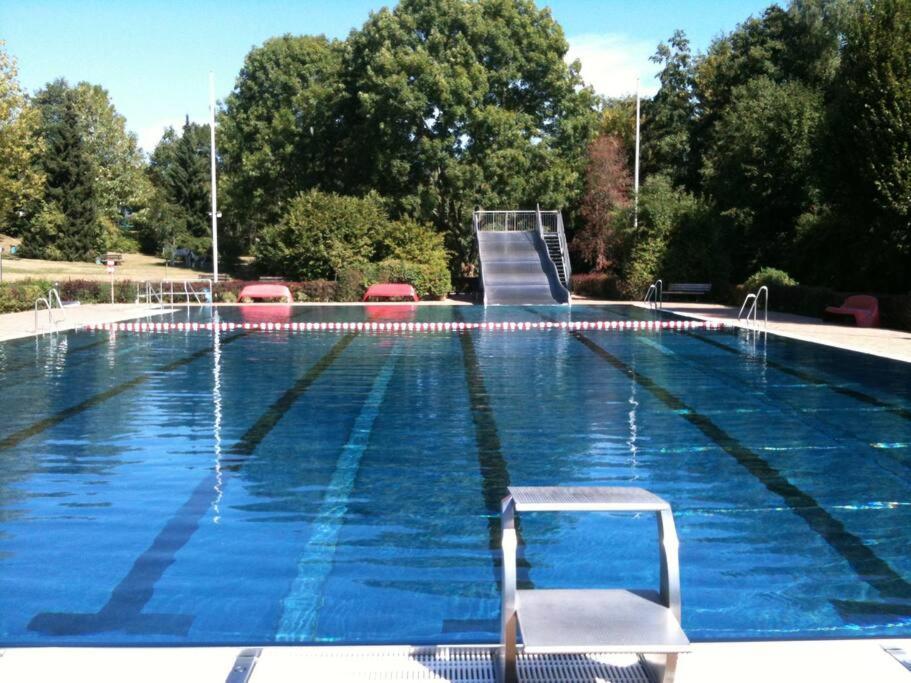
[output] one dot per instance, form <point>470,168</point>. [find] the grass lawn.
<point>134,267</point>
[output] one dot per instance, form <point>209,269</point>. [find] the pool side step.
<point>455,664</point>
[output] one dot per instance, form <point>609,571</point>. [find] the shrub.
<point>595,285</point>
<point>430,280</point>
<point>228,297</point>
<point>320,234</point>
<point>21,295</point>
<point>769,277</point>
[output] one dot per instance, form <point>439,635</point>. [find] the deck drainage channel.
<point>21,435</point>
<point>301,607</point>
<point>123,610</point>
<point>869,567</point>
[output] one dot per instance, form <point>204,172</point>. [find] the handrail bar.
<point>753,311</point>
<point>749,297</point>
<point>655,294</point>
<point>50,316</point>
<point>52,294</point>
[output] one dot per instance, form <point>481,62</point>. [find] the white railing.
<point>51,324</point>
<point>53,295</point>
<point>175,291</point>
<point>506,221</point>
<point>655,295</point>
<point>751,306</point>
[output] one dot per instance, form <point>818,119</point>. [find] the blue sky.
<point>154,56</point>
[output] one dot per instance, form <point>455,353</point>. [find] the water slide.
<point>516,269</point>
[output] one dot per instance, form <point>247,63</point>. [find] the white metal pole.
<point>636,179</point>
<point>214,189</point>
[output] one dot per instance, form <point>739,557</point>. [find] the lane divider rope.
<point>506,326</point>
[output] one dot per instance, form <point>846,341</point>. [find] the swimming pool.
<point>192,488</point>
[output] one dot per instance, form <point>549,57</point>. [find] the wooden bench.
<point>116,258</point>
<point>687,289</point>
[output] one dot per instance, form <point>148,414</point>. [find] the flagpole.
<point>636,179</point>
<point>214,187</point>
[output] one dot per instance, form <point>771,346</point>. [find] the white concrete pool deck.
<point>894,344</point>
<point>22,324</point>
<point>848,661</point>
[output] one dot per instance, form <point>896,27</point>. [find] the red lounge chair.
<point>391,291</point>
<point>265,292</point>
<point>863,308</point>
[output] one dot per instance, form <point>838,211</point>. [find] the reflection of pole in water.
<point>633,426</point>
<point>216,410</point>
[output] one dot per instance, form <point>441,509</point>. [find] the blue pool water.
<point>325,487</point>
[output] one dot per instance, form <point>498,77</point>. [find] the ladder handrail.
<point>52,325</point>
<point>753,310</point>
<point>655,294</point>
<point>52,294</point>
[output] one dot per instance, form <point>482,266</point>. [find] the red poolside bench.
<point>265,292</point>
<point>391,291</point>
<point>863,308</point>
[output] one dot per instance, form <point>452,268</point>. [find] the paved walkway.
<point>18,325</point>
<point>893,344</point>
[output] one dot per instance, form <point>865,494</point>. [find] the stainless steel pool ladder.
<point>51,323</point>
<point>646,623</point>
<point>655,294</point>
<point>752,312</point>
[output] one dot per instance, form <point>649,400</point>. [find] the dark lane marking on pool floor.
<point>900,411</point>
<point>123,610</point>
<point>69,351</point>
<point>869,567</point>
<point>21,435</point>
<point>492,464</point>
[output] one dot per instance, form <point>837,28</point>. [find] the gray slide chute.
<point>516,269</point>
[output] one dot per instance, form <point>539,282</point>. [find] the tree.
<point>451,104</point>
<point>21,180</point>
<point>320,234</point>
<point>760,170</point>
<point>118,181</point>
<point>598,244</point>
<point>669,115</point>
<point>66,225</point>
<point>870,138</point>
<point>279,129</point>
<point>180,173</point>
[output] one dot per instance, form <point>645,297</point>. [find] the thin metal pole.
<point>214,188</point>
<point>636,179</point>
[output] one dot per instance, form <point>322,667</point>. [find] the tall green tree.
<point>180,173</point>
<point>452,104</point>
<point>118,179</point>
<point>870,138</point>
<point>279,129</point>
<point>66,226</point>
<point>759,170</point>
<point>21,180</point>
<point>669,115</point>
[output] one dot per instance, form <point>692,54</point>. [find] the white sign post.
<point>111,271</point>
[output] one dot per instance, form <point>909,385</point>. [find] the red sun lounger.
<point>391,291</point>
<point>863,308</point>
<point>265,292</point>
